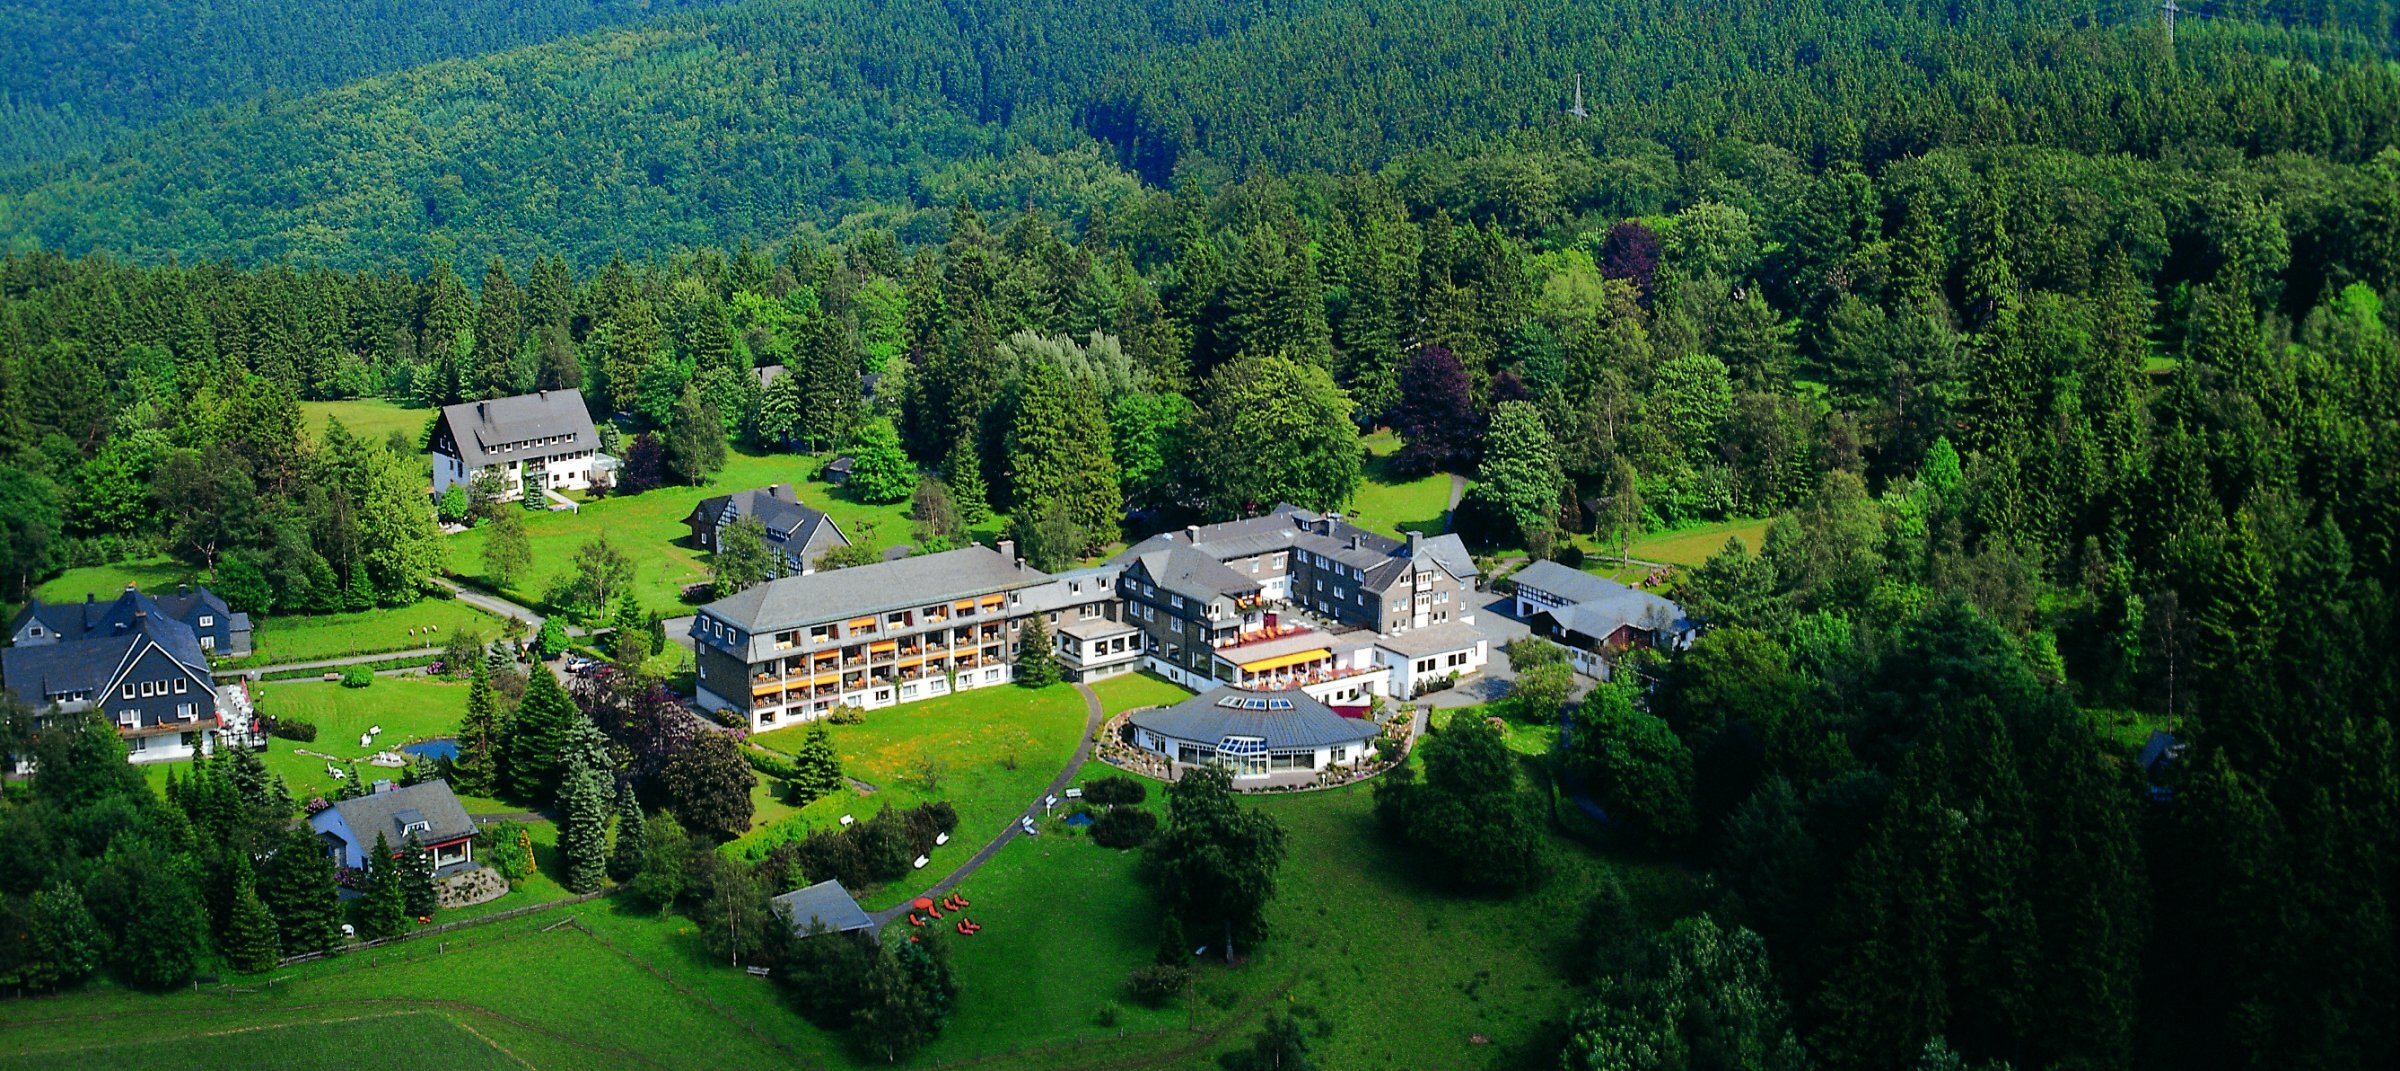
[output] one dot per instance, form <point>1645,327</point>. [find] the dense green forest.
<point>74,77</point>
<point>744,121</point>
<point>2067,366</point>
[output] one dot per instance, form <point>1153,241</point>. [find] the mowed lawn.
<point>277,638</point>
<point>395,1040</point>
<point>373,419</point>
<point>1407,973</point>
<point>650,529</point>
<point>1694,546</point>
<point>547,1000</point>
<point>997,747</point>
<point>154,575</point>
<point>409,709</point>
<point>427,622</point>
<point>1122,693</point>
<point>1387,503</point>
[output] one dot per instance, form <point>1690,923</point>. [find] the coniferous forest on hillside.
<point>2062,359</point>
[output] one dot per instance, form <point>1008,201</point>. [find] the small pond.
<point>437,750</point>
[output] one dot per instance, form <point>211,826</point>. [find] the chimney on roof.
<point>1192,533</point>
<point>183,589</point>
<point>545,393</point>
<point>480,408</point>
<point>1416,540</point>
<point>1008,550</point>
<point>88,598</point>
<point>1354,541</point>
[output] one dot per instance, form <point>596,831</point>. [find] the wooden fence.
<point>448,927</point>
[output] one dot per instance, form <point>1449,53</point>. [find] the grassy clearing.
<point>1069,915</point>
<point>408,708</point>
<point>1536,741</point>
<point>1386,503</point>
<point>372,419</point>
<point>1120,694</point>
<point>153,575</point>
<point>285,637</point>
<point>1408,975</point>
<point>545,1000</point>
<point>313,637</point>
<point>400,1040</point>
<point>1694,546</point>
<point>974,736</point>
<point>650,529</point>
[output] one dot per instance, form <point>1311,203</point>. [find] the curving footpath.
<point>1083,750</point>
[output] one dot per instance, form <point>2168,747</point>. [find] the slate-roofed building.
<point>796,533</point>
<point>542,441</point>
<point>868,636</point>
<point>1208,589</point>
<point>824,907</point>
<point>145,672</point>
<point>427,811</point>
<point>215,627</point>
<point>1334,568</point>
<point>1593,616</point>
<point>1254,735</point>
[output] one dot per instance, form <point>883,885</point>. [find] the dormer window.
<point>34,630</point>
<point>208,620</point>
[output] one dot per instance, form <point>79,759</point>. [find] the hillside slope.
<point>76,75</point>
<point>744,121</point>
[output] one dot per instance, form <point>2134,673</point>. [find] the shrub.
<point>506,847</point>
<point>847,715</point>
<point>1113,790</point>
<point>357,676</point>
<point>1124,827</point>
<point>874,851</point>
<point>295,729</point>
<point>1107,1016</point>
<point>772,765</point>
<point>1387,749</point>
<point>1155,985</point>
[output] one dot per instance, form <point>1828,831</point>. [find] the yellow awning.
<point>1278,662</point>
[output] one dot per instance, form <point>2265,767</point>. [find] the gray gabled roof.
<point>1570,585</point>
<point>480,428</point>
<point>1601,617</point>
<point>1443,638</point>
<point>795,601</point>
<point>1180,568</point>
<point>1288,527</point>
<point>93,618</point>
<point>390,812</point>
<point>778,509</point>
<point>38,672</point>
<point>826,902</point>
<point>90,664</point>
<point>1306,723</point>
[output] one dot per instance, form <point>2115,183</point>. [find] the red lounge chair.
<point>913,938</point>
<point>964,931</point>
<point>934,911</point>
<point>962,899</point>
<point>913,920</point>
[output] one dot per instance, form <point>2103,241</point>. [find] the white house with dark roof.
<point>542,441</point>
<point>796,533</point>
<point>427,812</point>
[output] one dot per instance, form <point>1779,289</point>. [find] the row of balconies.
<point>897,663</point>
<point>987,631</point>
<point>770,691</point>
